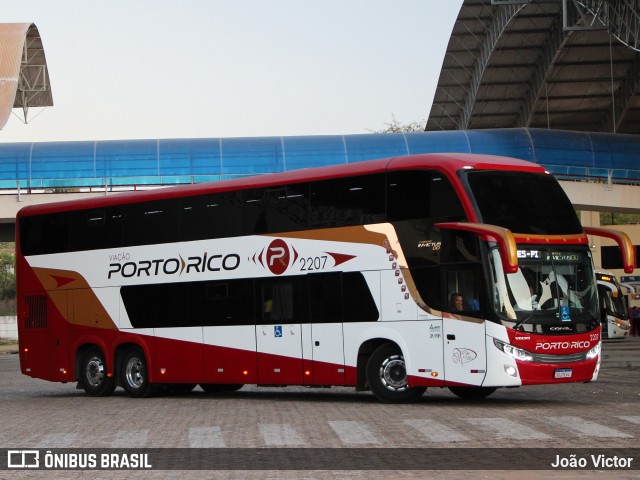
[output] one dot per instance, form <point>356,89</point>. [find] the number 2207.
<point>313,263</point>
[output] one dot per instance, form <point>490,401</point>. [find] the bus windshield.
<point>522,202</point>
<point>611,296</point>
<point>552,291</point>
<point>616,304</point>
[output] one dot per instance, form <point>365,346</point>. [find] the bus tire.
<point>134,376</point>
<point>472,393</point>
<point>387,376</point>
<point>221,387</point>
<point>93,373</point>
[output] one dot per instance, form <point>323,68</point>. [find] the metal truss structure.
<point>565,64</point>
<point>34,89</point>
<point>24,78</point>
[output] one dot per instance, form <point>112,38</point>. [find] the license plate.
<point>562,373</point>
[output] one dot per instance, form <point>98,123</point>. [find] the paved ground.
<point>39,414</point>
<point>623,352</point>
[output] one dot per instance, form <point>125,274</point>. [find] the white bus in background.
<point>613,309</point>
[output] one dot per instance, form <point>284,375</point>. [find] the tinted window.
<point>434,264</point>
<point>523,202</point>
<point>95,229</point>
<point>320,298</point>
<point>254,214</point>
<point>189,304</point>
<point>287,208</point>
<point>417,194</point>
<point>210,216</point>
<point>161,305</point>
<point>348,201</point>
<point>44,234</point>
<point>151,222</point>
<point>325,297</point>
<point>429,284</point>
<point>358,303</point>
<point>283,300</point>
<point>221,303</point>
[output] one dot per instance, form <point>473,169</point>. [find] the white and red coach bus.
<point>340,275</point>
<point>613,309</point>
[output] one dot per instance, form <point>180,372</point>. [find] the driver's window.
<point>463,293</point>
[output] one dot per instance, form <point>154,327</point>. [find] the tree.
<point>394,126</point>
<point>7,284</point>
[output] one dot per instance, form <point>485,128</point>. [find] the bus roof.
<point>447,163</point>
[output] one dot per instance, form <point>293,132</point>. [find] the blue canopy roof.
<point>171,161</point>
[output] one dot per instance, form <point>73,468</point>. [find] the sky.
<point>127,69</point>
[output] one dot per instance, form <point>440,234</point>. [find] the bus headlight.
<point>594,352</point>
<point>620,324</point>
<point>513,352</point>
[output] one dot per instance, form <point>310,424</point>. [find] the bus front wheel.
<point>93,373</point>
<point>387,376</point>
<point>134,376</point>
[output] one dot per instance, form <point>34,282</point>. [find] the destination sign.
<point>560,257</point>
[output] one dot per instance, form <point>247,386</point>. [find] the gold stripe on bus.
<point>74,298</point>
<point>358,234</point>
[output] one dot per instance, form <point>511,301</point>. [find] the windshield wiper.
<point>522,322</point>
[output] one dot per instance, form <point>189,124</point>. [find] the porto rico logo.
<point>279,256</point>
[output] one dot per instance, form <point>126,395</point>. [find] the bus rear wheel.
<point>472,393</point>
<point>134,376</point>
<point>387,376</point>
<point>93,373</point>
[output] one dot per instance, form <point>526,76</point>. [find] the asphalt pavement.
<point>621,353</point>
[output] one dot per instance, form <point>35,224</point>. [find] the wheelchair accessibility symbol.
<point>277,330</point>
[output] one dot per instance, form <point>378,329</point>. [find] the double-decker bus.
<point>463,271</point>
<point>613,310</point>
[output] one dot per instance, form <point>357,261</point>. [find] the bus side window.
<point>462,291</point>
<point>151,222</point>
<point>45,233</point>
<point>210,216</point>
<point>287,208</point>
<point>432,197</point>
<point>325,297</point>
<point>283,300</point>
<point>221,303</point>
<point>348,201</point>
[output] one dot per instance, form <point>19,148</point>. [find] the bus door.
<point>323,346</point>
<point>463,328</point>
<point>283,308</point>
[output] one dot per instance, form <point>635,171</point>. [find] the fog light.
<point>510,370</point>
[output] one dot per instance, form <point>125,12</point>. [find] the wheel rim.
<point>95,371</point>
<point>134,372</point>
<point>393,373</point>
